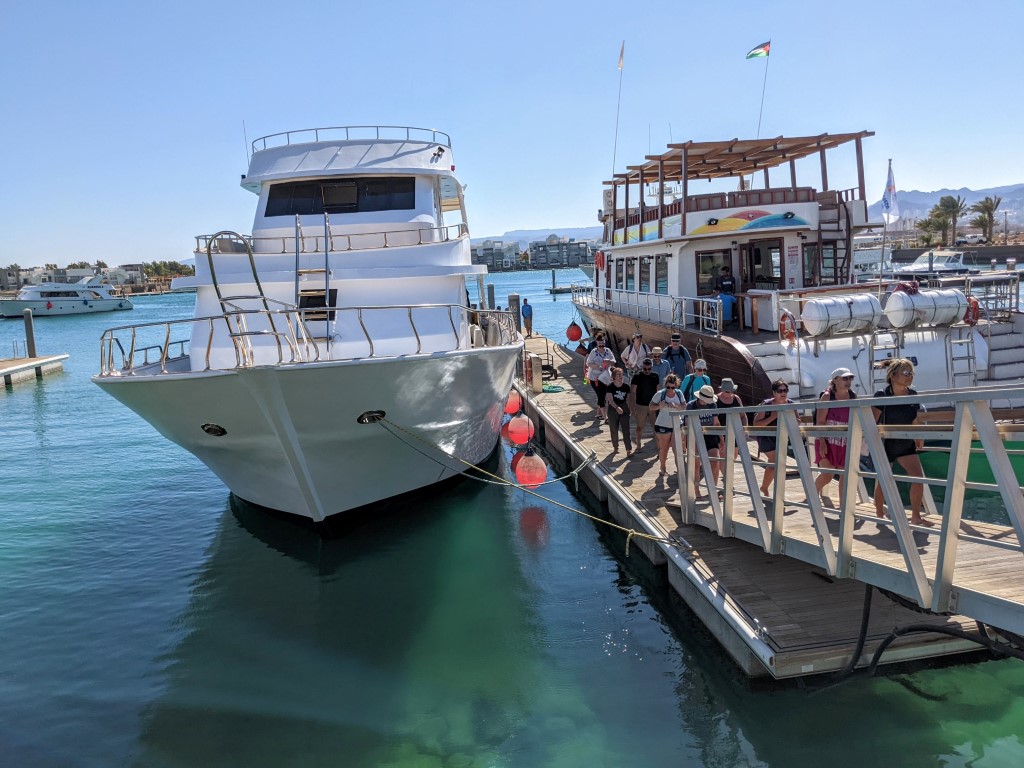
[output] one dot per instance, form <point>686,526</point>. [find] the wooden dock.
<point>24,368</point>
<point>774,615</point>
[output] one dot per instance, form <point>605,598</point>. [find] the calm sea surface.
<point>148,619</point>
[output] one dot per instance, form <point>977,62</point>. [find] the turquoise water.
<point>147,619</point>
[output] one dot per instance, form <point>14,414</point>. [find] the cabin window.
<point>709,268</point>
<point>661,273</point>
<point>353,195</point>
<point>645,273</point>
<point>630,274</point>
<point>620,273</point>
<point>764,263</point>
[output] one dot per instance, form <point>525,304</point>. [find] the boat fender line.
<point>492,479</point>
<point>973,312</point>
<point>787,328</point>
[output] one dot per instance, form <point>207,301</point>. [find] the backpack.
<point>688,384</point>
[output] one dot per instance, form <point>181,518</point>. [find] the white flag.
<point>890,205</point>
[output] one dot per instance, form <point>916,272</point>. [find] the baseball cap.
<point>676,337</point>
<point>840,373</point>
<point>701,364</point>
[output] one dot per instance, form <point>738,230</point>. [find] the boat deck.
<point>809,619</point>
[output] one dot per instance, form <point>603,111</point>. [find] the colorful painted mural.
<point>747,220</point>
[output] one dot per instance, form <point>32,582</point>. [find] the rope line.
<point>497,480</point>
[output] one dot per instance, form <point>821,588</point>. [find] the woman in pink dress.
<point>830,452</point>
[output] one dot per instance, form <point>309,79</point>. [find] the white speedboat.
<point>935,263</point>
<point>90,294</point>
<point>332,361</point>
<point>786,254</point>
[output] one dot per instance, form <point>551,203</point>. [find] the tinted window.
<point>349,196</point>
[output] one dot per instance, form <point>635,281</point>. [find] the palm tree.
<point>987,209</point>
<point>954,209</point>
<point>937,221</point>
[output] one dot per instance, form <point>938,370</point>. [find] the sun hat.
<point>840,373</point>
<point>702,363</point>
<point>657,351</point>
<point>707,394</point>
<point>727,385</point>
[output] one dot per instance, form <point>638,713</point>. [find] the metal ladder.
<point>235,313</point>
<point>314,303</point>
<point>961,364</point>
<point>883,345</point>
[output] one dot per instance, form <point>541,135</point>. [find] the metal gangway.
<point>959,566</point>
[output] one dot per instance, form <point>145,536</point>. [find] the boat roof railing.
<point>352,133</point>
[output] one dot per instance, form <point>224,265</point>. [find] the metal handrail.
<point>935,590</point>
<point>681,311</point>
<point>298,340</point>
<point>407,133</point>
<point>282,244</point>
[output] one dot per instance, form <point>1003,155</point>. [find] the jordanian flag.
<point>760,51</point>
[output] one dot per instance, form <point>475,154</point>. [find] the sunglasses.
<point>784,389</point>
<point>670,386</point>
<point>906,372</point>
<point>847,378</point>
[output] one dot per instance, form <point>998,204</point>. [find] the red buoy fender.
<point>787,328</point>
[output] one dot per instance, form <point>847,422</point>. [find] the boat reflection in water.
<point>406,639</point>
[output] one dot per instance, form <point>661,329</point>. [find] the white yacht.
<point>332,360</point>
<point>90,294</point>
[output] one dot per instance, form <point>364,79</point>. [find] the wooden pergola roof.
<point>725,159</point>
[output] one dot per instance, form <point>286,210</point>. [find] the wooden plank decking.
<point>809,619</point>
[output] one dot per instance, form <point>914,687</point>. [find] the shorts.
<point>712,442</point>
<point>766,444</point>
<point>897,447</point>
<point>643,415</point>
<point>662,430</point>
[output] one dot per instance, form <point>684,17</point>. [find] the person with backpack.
<point>667,404</point>
<point>678,357</point>
<point>692,382</point>
<point>830,452</point>
<point>634,354</point>
<point>705,403</point>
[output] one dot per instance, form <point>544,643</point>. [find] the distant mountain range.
<point>914,204</point>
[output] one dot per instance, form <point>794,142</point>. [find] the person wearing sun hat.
<point>830,452</point>
<point>705,406</point>
<point>660,365</point>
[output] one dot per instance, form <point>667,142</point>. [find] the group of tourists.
<point>655,386</point>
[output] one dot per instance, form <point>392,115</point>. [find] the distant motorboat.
<point>90,294</point>
<point>935,263</point>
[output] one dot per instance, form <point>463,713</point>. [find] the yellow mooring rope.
<point>496,480</point>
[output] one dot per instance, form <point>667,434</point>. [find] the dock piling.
<point>30,333</point>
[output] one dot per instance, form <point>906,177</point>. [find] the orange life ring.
<point>973,312</point>
<point>599,260</point>
<point>787,328</point>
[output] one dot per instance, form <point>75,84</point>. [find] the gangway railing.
<point>701,314</point>
<point>957,567</point>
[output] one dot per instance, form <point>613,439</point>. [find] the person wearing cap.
<point>527,313</point>
<point>659,365</point>
<point>830,452</point>
<point>705,404</point>
<point>634,354</point>
<point>678,357</point>
<point>694,381</point>
<point>643,387</point>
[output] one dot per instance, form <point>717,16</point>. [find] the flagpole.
<point>618,105</point>
<point>885,226</point>
<point>764,84</point>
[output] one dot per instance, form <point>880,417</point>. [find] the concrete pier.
<point>24,368</point>
<point>773,615</point>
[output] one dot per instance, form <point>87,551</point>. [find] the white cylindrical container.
<point>941,307</point>
<point>841,314</point>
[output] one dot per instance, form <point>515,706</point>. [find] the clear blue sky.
<point>122,131</point>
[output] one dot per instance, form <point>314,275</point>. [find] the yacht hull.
<point>292,440</point>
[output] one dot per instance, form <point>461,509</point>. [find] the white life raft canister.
<point>841,314</point>
<point>939,307</point>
